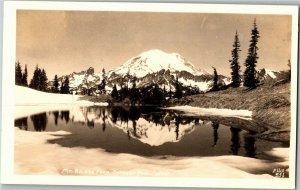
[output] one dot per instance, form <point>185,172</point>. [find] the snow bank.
<point>52,159</point>
<point>29,101</point>
<point>242,114</point>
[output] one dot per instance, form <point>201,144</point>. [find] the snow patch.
<point>57,159</point>
<point>242,114</point>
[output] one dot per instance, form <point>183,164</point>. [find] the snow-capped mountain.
<point>148,68</point>
<point>153,61</point>
<point>81,81</point>
<point>267,75</point>
<point>158,67</point>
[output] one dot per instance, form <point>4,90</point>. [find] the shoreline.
<point>270,107</point>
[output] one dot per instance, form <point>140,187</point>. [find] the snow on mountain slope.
<point>155,60</point>
<point>270,73</point>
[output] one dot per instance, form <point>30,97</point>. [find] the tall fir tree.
<point>114,92</point>
<point>134,91</point>
<point>215,79</point>
<point>178,89</point>
<point>35,81</point>
<point>103,82</point>
<point>250,79</point>
<point>43,80</point>
<point>65,88</point>
<point>18,73</point>
<point>24,77</point>
<point>55,84</point>
<point>234,62</point>
<point>290,70</point>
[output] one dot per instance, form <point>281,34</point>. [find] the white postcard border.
<point>9,52</point>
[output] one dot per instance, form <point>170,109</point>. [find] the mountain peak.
<point>154,60</point>
<point>90,71</point>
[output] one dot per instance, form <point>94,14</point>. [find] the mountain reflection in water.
<point>146,131</point>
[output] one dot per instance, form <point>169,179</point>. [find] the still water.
<point>147,132</point>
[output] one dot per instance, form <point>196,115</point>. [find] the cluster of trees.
<point>151,94</point>
<point>250,78</point>
<point>39,80</point>
<point>65,88</point>
<point>20,77</point>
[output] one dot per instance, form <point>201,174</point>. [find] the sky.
<point>63,42</point>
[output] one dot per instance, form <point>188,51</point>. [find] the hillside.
<point>270,106</point>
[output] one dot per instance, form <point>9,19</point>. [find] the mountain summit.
<point>156,60</point>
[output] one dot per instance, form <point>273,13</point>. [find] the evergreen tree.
<point>55,84</point>
<point>18,74</point>
<point>114,92</point>
<point>24,77</point>
<point>216,79</point>
<point>290,70</point>
<point>35,81</point>
<point>65,89</point>
<point>102,85</point>
<point>43,80</point>
<point>235,65</point>
<point>251,60</point>
<point>178,90</point>
<point>134,92</point>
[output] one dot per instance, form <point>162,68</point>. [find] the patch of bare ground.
<point>269,103</point>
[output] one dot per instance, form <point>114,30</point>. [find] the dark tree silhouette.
<point>216,79</point>
<point>178,89</point>
<point>34,83</point>
<point>134,94</point>
<point>235,140</point>
<point>24,77</point>
<point>43,81</point>
<point>235,65</point>
<point>177,122</point>
<point>290,70</point>
<point>21,123</point>
<point>65,115</point>
<point>39,79</point>
<point>114,92</point>
<point>39,121</point>
<point>65,89</point>
<point>103,82</point>
<point>55,84</point>
<point>249,145</point>
<point>215,126</point>
<point>250,79</point>
<point>56,114</point>
<point>18,73</point>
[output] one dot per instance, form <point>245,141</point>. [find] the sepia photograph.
<point>150,91</point>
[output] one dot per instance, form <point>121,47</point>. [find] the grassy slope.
<point>270,106</point>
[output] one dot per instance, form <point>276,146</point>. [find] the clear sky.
<point>66,41</point>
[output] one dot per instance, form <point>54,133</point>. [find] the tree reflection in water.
<point>22,123</point>
<point>235,140</point>
<point>133,122</point>
<point>56,114</point>
<point>39,121</point>
<point>215,126</point>
<point>249,145</point>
